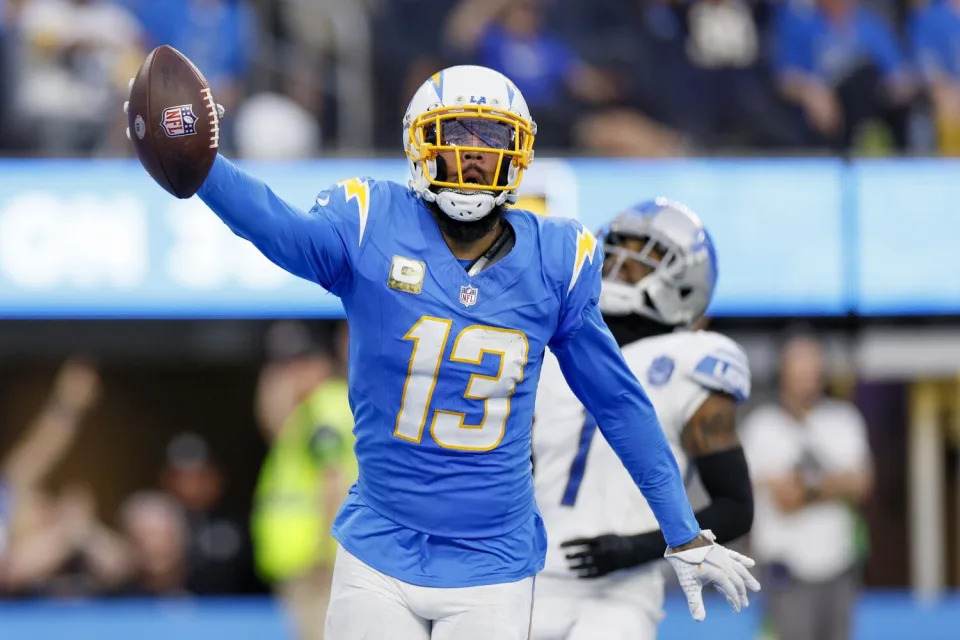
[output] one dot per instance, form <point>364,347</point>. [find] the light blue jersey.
<point>443,374</point>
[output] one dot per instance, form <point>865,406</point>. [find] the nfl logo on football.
<point>468,295</point>
<point>179,121</point>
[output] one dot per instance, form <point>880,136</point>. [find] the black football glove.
<point>596,557</point>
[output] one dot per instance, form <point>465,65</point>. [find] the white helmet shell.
<point>475,92</point>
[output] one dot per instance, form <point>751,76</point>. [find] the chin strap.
<point>467,207</point>
<point>497,250</point>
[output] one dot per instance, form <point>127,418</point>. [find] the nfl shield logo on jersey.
<point>179,121</point>
<point>468,295</point>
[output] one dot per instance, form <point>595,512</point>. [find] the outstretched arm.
<point>310,245</point>
<point>54,429</point>
<point>596,372</point>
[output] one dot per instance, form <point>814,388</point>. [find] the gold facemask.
<point>426,141</point>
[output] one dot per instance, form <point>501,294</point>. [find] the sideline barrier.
<point>881,615</point>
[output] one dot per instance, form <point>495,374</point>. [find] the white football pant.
<point>368,605</point>
<point>573,609</point>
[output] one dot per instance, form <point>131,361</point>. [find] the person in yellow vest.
<point>303,409</point>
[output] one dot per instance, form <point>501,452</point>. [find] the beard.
<point>459,231</point>
<point>466,232</point>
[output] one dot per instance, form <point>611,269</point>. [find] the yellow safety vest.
<point>288,525</point>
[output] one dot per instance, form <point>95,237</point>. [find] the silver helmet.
<point>676,246</point>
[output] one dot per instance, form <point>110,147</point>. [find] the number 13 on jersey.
<point>430,336</point>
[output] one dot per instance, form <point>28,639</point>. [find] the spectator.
<point>810,461</point>
<point>62,549</point>
<point>156,529</point>
<point>842,65</point>
<point>76,389</point>
<point>324,62</point>
<point>271,126</point>
<point>401,62</point>
<point>77,57</point>
<point>510,36</point>
<point>304,411</point>
<point>730,100</point>
<point>5,515</point>
<point>935,36</point>
<point>219,36</point>
<point>219,559</point>
<point>54,544</point>
<point>573,102</point>
<point>7,69</point>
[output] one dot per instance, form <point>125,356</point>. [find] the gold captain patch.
<point>406,274</point>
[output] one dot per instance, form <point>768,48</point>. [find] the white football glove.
<point>126,107</point>
<point>713,564</point>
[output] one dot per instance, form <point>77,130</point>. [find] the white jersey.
<point>582,489</point>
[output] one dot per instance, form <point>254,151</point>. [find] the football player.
<point>658,277</point>
<point>451,300</point>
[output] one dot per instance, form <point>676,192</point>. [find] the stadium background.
<point>847,233</point>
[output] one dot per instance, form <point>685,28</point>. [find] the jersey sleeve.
<point>580,288</point>
<point>720,365</point>
<point>321,245</point>
<point>597,373</point>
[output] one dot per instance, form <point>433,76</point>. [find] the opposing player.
<point>658,278</point>
<point>451,300</point>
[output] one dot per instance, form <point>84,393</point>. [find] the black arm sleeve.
<point>727,480</point>
<point>730,513</point>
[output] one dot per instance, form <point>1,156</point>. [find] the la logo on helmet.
<point>478,100</point>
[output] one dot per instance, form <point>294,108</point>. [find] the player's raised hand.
<point>713,564</point>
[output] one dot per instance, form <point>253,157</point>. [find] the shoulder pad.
<point>719,364</point>
<point>579,250</point>
<point>356,199</point>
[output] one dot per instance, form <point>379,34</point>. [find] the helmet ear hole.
<point>504,178</point>
<point>685,292</point>
<point>441,168</point>
<point>648,302</point>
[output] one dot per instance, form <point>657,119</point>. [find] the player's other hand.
<point>596,557</point>
<point>712,564</point>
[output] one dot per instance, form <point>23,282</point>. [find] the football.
<point>173,120</point>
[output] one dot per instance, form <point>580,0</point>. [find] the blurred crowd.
<point>614,77</point>
<point>169,539</point>
<point>179,536</point>
<point>809,454</point>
